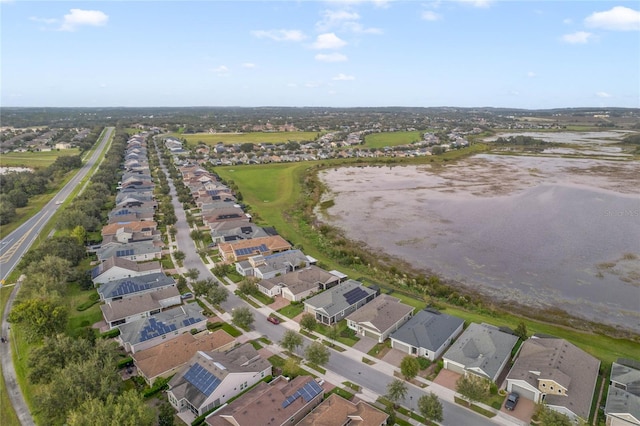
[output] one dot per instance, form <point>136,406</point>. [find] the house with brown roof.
<point>170,356</point>
<point>281,402</point>
<point>115,268</point>
<point>244,249</point>
<point>144,226</point>
<point>335,410</point>
<point>557,373</point>
<point>212,378</point>
<point>223,214</point>
<point>135,307</point>
<point>297,285</point>
<point>380,317</point>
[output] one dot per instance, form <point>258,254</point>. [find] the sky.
<point>349,53</point>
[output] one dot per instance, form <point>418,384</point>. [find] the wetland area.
<point>540,230</point>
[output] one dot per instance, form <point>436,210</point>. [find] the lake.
<point>542,231</point>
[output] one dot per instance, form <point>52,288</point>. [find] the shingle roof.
<point>428,330</point>
<point>129,286</point>
<point>482,347</point>
<point>622,404</point>
<point>136,304</point>
<point>382,312</point>
<point>336,410</point>
<point>301,280</point>
<point>334,300</point>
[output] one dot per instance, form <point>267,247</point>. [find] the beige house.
<point>244,249</point>
<point>168,357</point>
<point>380,317</point>
<point>557,373</point>
<point>297,285</point>
<point>335,410</point>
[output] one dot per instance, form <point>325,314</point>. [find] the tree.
<point>165,414</point>
<point>242,317</point>
<point>396,390</point>
<point>291,340</point>
<point>333,333</point>
<point>472,388</point>
<point>179,255</point>
<point>317,353</point>
<point>549,417</point>
<point>521,330</point>
<point>172,231</point>
<point>40,317</point>
<point>192,273</point>
<point>48,275</point>
<point>7,211</point>
<point>409,367</point>
<point>80,234</point>
<point>430,407</point>
<point>127,409</point>
<point>308,322</point>
<point>291,367</point>
<point>217,294</point>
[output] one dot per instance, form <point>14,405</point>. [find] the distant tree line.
<point>521,140</point>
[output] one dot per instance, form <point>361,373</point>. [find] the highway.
<point>12,248</point>
<point>16,244</point>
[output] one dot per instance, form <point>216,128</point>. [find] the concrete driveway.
<point>447,378</point>
<point>365,344</point>
<point>394,357</point>
<point>525,408</point>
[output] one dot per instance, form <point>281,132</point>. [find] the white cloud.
<point>280,35</point>
<point>531,74</point>
<point>331,57</point>
<point>429,15</point>
<point>579,37</point>
<point>619,18</point>
<point>603,95</point>
<point>343,77</point>
<point>43,20</point>
<point>382,4</point>
<point>248,65</point>
<point>312,85</point>
<point>221,71</point>
<point>477,3</point>
<point>328,41</point>
<point>78,17</point>
<point>343,20</point>
<point>567,21</point>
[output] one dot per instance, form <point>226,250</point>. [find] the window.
<point>544,385</point>
<point>551,387</point>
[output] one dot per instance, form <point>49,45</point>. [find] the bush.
<point>424,362</point>
<point>493,389</point>
<point>125,362</point>
<point>111,333</point>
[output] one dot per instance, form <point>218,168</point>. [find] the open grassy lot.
<point>34,159</point>
<point>272,191</point>
<point>380,140</point>
<point>252,137</point>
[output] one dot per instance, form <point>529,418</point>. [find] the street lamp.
<point>411,403</point>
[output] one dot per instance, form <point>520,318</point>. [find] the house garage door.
<point>400,346</point>
<point>454,367</point>
<point>524,393</point>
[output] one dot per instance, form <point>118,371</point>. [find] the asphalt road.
<point>354,371</point>
<point>12,248</point>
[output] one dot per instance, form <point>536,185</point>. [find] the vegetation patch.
<point>292,310</point>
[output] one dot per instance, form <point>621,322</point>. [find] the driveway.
<point>394,357</point>
<point>280,302</point>
<point>524,410</point>
<point>365,344</point>
<point>447,378</point>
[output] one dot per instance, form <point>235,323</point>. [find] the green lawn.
<point>381,140</point>
<point>346,336</point>
<point>252,137</point>
<point>34,160</point>
<point>291,310</point>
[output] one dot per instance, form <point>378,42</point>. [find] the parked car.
<point>186,296</point>
<point>512,401</point>
<point>273,320</point>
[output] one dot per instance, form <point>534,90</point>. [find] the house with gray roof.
<point>138,251</point>
<point>151,331</point>
<point>332,305</point>
<point>138,306</point>
<point>623,398</point>
<point>380,317</point>
<point>212,378</point>
<point>116,268</point>
<point>557,373</point>
<point>482,349</point>
<point>428,333</point>
<point>229,231</point>
<point>265,267</point>
<point>297,285</point>
<point>126,287</point>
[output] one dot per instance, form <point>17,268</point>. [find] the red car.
<point>273,320</point>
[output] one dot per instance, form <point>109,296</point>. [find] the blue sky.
<point>472,53</point>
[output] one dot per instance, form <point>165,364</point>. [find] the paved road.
<point>352,370</point>
<point>11,251</point>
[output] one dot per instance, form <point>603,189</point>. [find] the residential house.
<point>147,227</point>
<point>482,349</point>
<point>126,287</point>
<point>167,358</point>
<point>244,249</point>
<point>623,398</point>
<point>139,251</point>
<point>117,268</point>
<point>332,305</point>
<point>297,285</point>
<point>230,231</point>
<point>429,333</point>
<point>281,402</point>
<point>210,379</point>
<point>148,332</point>
<point>223,214</point>
<point>265,267</point>
<point>557,373</point>
<point>138,306</point>
<point>380,317</point>
<point>335,410</point>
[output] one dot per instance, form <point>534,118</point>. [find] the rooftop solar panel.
<point>202,379</point>
<point>307,392</point>
<point>352,296</point>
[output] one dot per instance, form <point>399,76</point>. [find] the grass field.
<point>253,137</point>
<point>273,190</point>
<point>380,140</point>
<point>34,159</point>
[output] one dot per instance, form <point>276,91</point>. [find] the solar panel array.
<point>250,250</point>
<point>122,212</point>
<point>352,296</point>
<point>203,380</point>
<point>307,392</point>
<point>128,287</point>
<point>127,252</point>
<point>155,328</point>
<point>189,321</point>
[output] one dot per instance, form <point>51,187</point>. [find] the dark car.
<point>511,401</point>
<point>273,320</point>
